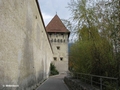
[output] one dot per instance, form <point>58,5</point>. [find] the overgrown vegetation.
<point>53,70</point>
<point>97,25</point>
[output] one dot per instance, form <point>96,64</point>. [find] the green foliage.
<point>53,70</point>
<point>87,58</point>
<point>94,51</point>
<point>109,86</point>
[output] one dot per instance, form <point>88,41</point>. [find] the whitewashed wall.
<point>25,52</point>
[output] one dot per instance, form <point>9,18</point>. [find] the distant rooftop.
<point>56,25</point>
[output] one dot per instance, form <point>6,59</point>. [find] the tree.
<point>94,47</point>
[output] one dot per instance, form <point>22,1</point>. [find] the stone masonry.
<point>59,35</point>
<point>25,51</point>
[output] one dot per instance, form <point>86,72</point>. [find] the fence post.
<point>117,84</point>
<point>77,75</point>
<point>100,83</point>
<point>91,81</point>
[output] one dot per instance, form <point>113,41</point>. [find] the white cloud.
<point>47,18</point>
<point>50,7</point>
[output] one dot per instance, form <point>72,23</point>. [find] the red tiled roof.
<point>56,25</point>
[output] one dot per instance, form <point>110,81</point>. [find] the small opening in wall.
<point>54,40</point>
<point>58,47</point>
<point>58,40</point>
<point>51,40</point>
<point>50,34</point>
<point>61,40</point>
<point>61,33</point>
<point>61,58</point>
<point>55,58</point>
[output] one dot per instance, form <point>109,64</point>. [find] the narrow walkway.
<point>54,83</point>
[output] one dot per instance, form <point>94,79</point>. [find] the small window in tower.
<point>58,40</point>
<point>64,40</point>
<point>51,40</point>
<point>63,36</point>
<point>50,34</point>
<point>61,58</point>
<point>55,58</point>
<point>61,40</point>
<point>58,47</point>
<point>54,40</point>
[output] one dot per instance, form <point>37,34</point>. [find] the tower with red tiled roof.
<point>59,35</point>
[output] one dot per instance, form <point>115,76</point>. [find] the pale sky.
<point>49,8</point>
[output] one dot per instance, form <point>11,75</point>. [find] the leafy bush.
<point>53,70</point>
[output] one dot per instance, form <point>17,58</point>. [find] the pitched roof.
<point>56,25</point>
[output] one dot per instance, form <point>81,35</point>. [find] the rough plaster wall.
<point>23,57</point>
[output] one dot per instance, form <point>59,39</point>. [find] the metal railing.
<point>101,82</point>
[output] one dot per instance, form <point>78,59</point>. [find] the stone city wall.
<point>25,52</point>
